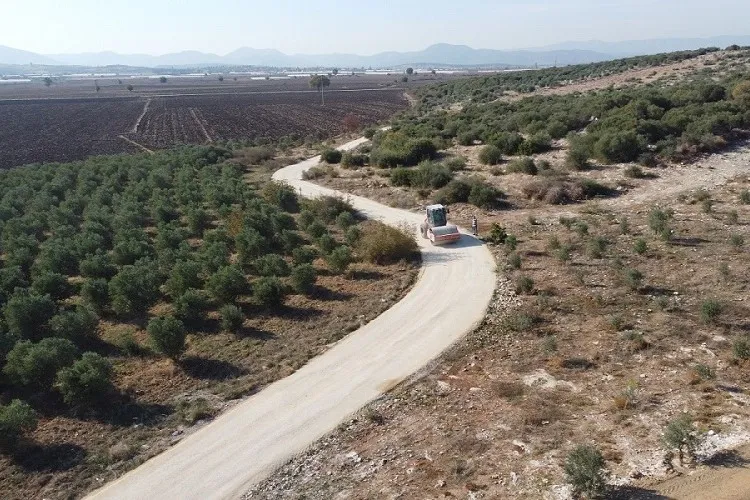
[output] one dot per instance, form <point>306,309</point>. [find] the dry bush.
<point>381,244</point>
<point>121,451</point>
<point>540,411</point>
<point>505,389</point>
<point>562,191</point>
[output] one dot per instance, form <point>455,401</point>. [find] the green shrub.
<point>633,278</point>
<point>524,285</point>
<point>184,276</point>
<point>226,284</point>
<point>514,261</point>
<point>429,175</point>
<point>680,435</point>
<point>508,143</point>
<point>27,314</point>
<point>282,195</point>
<point>316,229</point>
<point>352,235</point>
<point>16,419</point>
<point>382,244</point>
<point>535,144</point>
<point>78,325</point>
<point>353,160</point>
<point>658,220</point>
<point>167,336</point>
<point>497,234</point>
<point>711,310</point>
<point>619,147</point>
<point>98,266</point>
<point>490,155</point>
<point>190,307</point>
<point>339,259</point>
<point>95,292</point>
<point>741,347</point>
<point>326,243</point>
<point>640,247</point>
<point>401,176</point>
<point>737,240</point>
<point>511,243</point>
<point>198,220</point>
<point>35,365</point>
<point>456,191</point>
<point>268,292</point>
<point>87,381</point>
<point>231,318</point>
<point>577,159</point>
<point>745,196</point>
<point>585,470</point>
<point>134,289</point>
<point>53,284</point>
<point>345,220</point>
<point>331,156</point>
<point>523,165</point>
<point>455,163</point>
<point>597,247</point>
<point>305,254</point>
<point>271,265</point>
<point>484,195</point>
<point>303,278</point>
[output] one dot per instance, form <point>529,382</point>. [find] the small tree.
<point>331,156</point>
<point>191,306</point>
<point>339,259</point>
<point>227,284</point>
<point>167,336</point>
<point>78,325</point>
<point>303,278</point>
<point>231,318</point>
<point>16,419</point>
<point>221,78</point>
<point>27,314</point>
<point>320,82</point>
<point>95,292</point>
<point>35,365</point>
<point>162,79</point>
<point>47,81</point>
<point>87,381</point>
<point>409,71</point>
<point>268,292</point>
<point>680,435</point>
<point>129,87</point>
<point>584,469</point>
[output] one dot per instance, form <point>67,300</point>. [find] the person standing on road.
<point>474,225</point>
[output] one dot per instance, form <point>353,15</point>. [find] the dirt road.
<point>247,443</point>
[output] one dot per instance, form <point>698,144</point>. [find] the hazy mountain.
<point>652,46</point>
<point>436,55</point>
<point>186,58</point>
<point>15,56</point>
<point>441,54</point>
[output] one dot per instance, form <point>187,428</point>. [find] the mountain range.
<point>436,55</point>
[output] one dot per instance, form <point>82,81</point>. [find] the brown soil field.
<point>71,121</point>
<point>576,348</point>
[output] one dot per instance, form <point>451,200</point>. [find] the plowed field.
<point>55,125</point>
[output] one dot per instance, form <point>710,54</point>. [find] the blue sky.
<point>364,27</point>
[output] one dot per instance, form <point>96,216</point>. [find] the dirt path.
<point>727,477</point>
<point>139,146</point>
<point>246,444</point>
<point>194,114</point>
<point>140,117</point>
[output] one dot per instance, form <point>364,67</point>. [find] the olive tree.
<point>86,381</point>
<point>167,336</point>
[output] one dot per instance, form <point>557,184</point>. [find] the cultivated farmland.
<point>71,120</point>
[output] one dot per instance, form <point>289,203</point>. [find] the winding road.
<point>245,444</point>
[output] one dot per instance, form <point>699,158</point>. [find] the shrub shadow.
<point>328,295</point>
<point>35,457</point>
<point>210,369</point>
<point>635,493</point>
